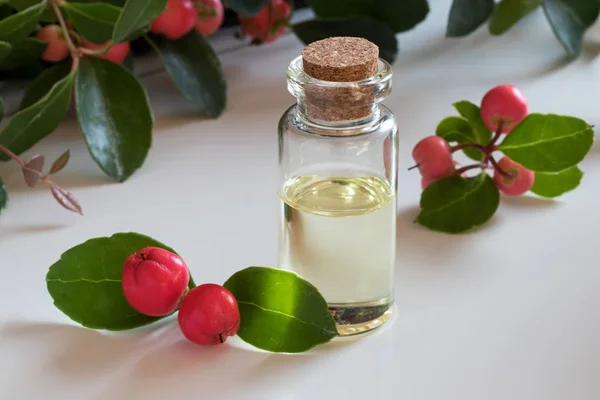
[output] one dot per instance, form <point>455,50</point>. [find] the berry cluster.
<point>502,108</point>
<point>155,283</point>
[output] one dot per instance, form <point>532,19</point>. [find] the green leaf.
<point>136,15</point>
<point>5,49</point>
<point>94,21</point>
<point>44,82</point>
<point>554,185</point>
<point>29,126</point>
<point>468,15</point>
<point>509,12</point>
<point>1,109</point>
<point>455,204</point>
<point>471,112</point>
<point>458,129</point>
<point>365,27</point>
<point>195,69</point>
<point>117,128</point>
<point>3,196</point>
<point>24,53</point>
<point>246,7</point>
<point>46,16</point>
<point>18,26</point>
<point>85,283</point>
<point>399,15</point>
<point>548,142</point>
<point>279,311</point>
<point>569,20</point>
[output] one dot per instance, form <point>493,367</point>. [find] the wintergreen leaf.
<point>365,27</point>
<point>1,109</point>
<point>471,112</point>
<point>85,283</point>
<point>4,50</point>
<point>136,15</point>
<point>455,204</point>
<point>18,26</point>
<point>399,15</point>
<point>94,21</point>
<point>23,53</point>
<point>279,311</point>
<point>195,69</point>
<point>509,12</point>
<point>3,196</point>
<point>569,20</point>
<point>548,142</point>
<point>554,185</point>
<point>46,16</point>
<point>29,126</point>
<point>246,7</point>
<point>116,127</point>
<point>44,82</point>
<point>458,129</point>
<point>468,15</point>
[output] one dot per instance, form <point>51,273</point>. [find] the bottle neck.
<point>336,127</point>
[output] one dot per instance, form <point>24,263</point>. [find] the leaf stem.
<point>497,135</point>
<point>470,167</point>
<point>12,155</point>
<point>65,29</point>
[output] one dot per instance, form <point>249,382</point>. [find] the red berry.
<point>116,54</point>
<point>506,104</point>
<point>209,314</point>
<point>210,16</point>
<point>176,20</point>
<point>269,24</point>
<point>433,156</point>
<point>154,281</point>
<point>521,181</point>
<point>426,181</point>
<point>57,48</point>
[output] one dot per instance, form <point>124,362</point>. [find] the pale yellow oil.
<point>339,233</point>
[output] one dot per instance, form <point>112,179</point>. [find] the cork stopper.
<point>340,59</point>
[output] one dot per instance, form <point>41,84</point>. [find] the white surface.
<point>509,312</point>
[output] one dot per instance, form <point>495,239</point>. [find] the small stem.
<point>413,167</point>
<point>462,146</point>
<point>469,167</point>
<point>12,155</point>
<point>63,25</point>
<point>221,338</point>
<point>497,134</point>
<point>499,169</point>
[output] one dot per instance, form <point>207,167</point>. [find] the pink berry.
<point>209,314</point>
<point>426,181</point>
<point>210,16</point>
<point>176,20</point>
<point>269,24</point>
<point>154,281</point>
<point>433,156</point>
<point>57,48</point>
<point>116,54</point>
<point>521,181</point>
<point>504,104</point>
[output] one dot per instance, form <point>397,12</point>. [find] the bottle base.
<point>357,318</point>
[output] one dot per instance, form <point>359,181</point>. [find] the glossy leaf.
<point>467,15</point>
<point>458,129</point>
<point>65,199</point>
<point>85,283</point>
<point>136,15</point>
<point>508,12</point>
<point>365,27</point>
<point>60,162</point>
<point>455,204</point>
<point>31,169</point>
<point>3,196</point>
<point>94,21</point>
<point>399,15</point>
<point>195,69</point>
<point>23,53</point>
<point>471,112</point>
<point>548,142</point>
<point>116,127</point>
<point>5,49</point>
<point>18,26</point>
<point>246,7</point>
<point>554,185</point>
<point>47,14</point>
<point>29,126</point>
<point>279,311</point>
<point>44,82</point>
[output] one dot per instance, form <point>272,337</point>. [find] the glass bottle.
<point>338,149</point>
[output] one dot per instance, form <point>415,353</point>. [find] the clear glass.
<point>338,190</point>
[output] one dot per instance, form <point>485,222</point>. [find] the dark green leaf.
<point>46,16</point>
<point>44,82</point>
<point>94,21</point>
<point>1,109</point>
<point>548,143</point>
<point>468,15</point>
<point>399,15</point>
<point>457,129</point>
<point>128,62</point>
<point>24,53</point>
<point>85,283</point>
<point>570,19</point>
<point>455,204</point>
<point>246,7</point>
<point>365,27</point>
<point>29,126</point>
<point>471,112</point>
<point>195,69</point>
<point>279,311</point>
<point>136,15</point>
<point>554,185</point>
<point>3,196</point>
<point>4,50</point>
<point>18,26</point>
<point>509,12</point>
<point>114,115</point>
